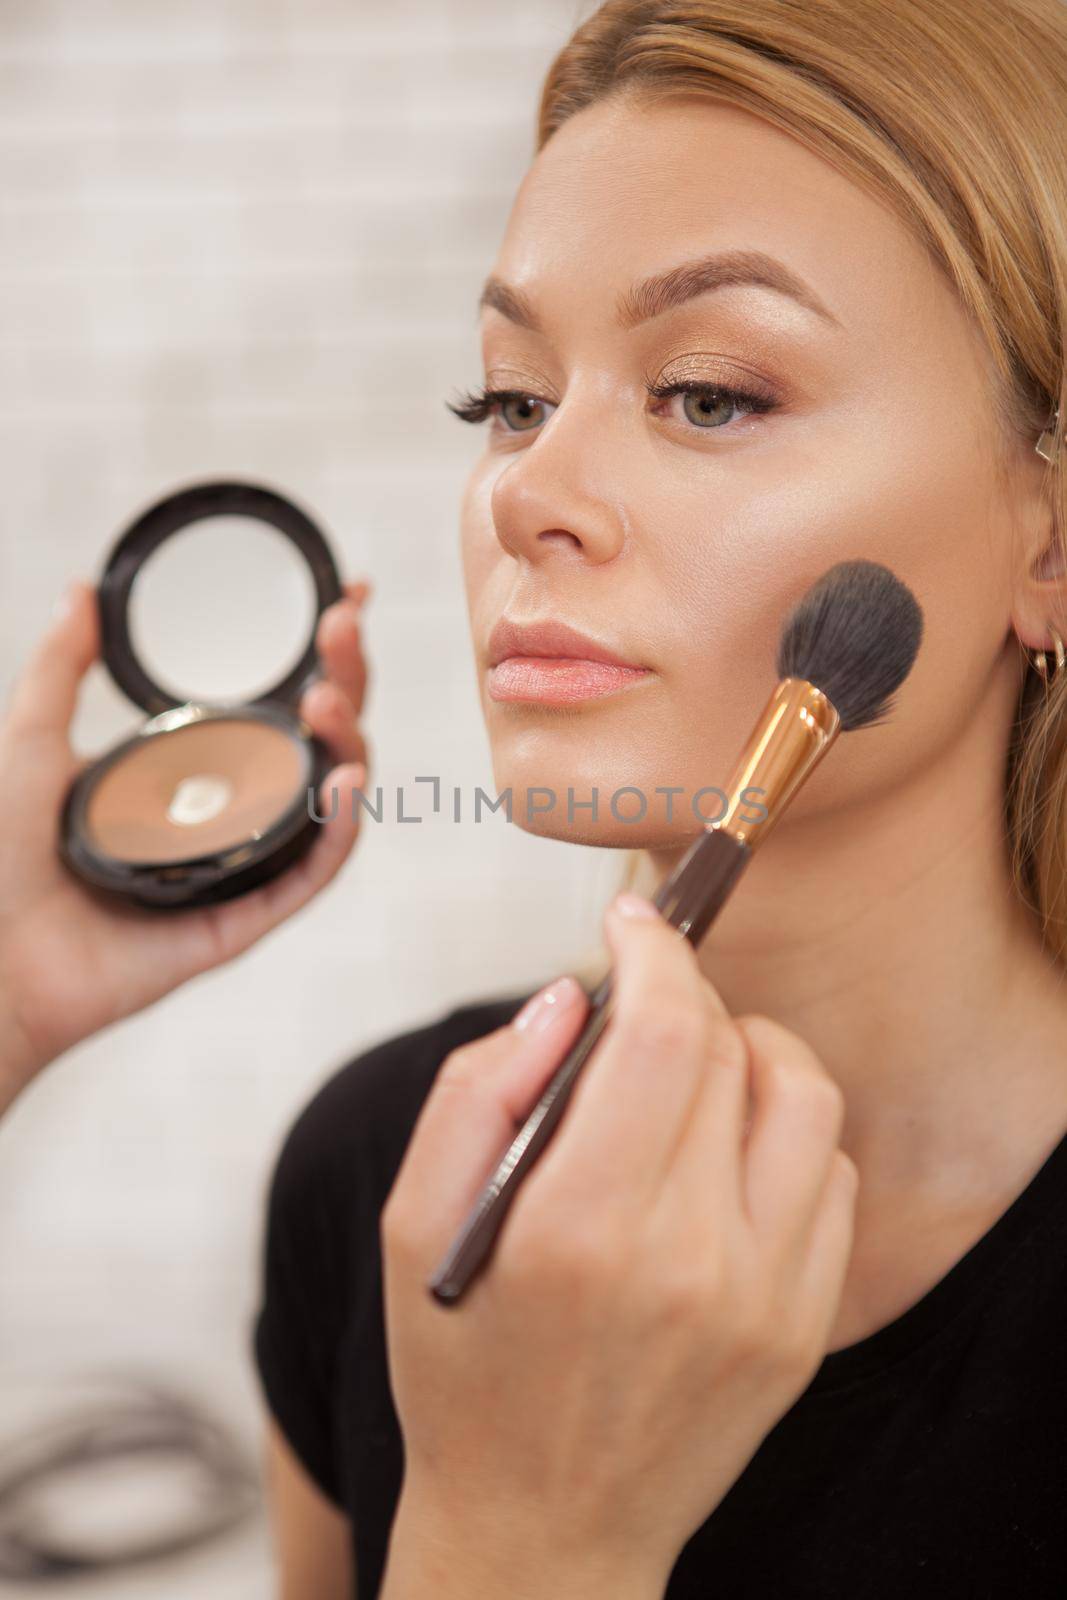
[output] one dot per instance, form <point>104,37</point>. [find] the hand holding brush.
<point>662,1292</point>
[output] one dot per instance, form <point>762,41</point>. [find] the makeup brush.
<point>844,650</point>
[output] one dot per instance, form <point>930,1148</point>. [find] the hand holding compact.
<point>73,960</point>
<point>662,1291</point>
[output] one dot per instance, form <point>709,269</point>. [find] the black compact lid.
<point>171,514</point>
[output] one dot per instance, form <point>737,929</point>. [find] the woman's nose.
<point>559,497</point>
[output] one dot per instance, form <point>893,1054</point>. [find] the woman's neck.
<point>895,944</point>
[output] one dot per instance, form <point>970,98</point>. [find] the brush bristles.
<point>855,635</point>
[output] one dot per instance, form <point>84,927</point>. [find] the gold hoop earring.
<point>1043,446</point>
<point>1040,659</point>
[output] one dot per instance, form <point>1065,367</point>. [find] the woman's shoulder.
<point>356,1125</point>
<point>320,1263</point>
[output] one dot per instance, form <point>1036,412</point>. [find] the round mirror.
<point>222,610</point>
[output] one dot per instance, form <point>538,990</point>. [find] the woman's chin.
<point>613,811</point>
<point>608,836</point>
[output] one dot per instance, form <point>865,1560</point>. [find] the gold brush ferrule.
<point>797,727</point>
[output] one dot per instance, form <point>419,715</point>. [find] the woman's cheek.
<point>479,547</point>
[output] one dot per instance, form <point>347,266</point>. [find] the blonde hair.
<point>952,112</point>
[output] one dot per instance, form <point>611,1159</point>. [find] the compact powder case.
<point>211,796</point>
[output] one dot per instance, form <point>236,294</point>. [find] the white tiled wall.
<point>245,237</point>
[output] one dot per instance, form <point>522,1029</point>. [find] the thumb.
<point>46,690</point>
<point>479,1099</point>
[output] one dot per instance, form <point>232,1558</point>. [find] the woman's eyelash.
<point>475,405</point>
<point>745,399</point>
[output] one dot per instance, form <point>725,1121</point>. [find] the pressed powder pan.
<point>209,797</point>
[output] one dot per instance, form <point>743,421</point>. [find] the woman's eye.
<point>707,410</point>
<point>710,406</point>
<point>520,412</point>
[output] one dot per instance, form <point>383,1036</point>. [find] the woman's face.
<point>676,530</point>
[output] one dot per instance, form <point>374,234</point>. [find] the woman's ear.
<point>1040,585</point>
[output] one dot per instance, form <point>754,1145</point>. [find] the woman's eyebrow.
<point>650,297</point>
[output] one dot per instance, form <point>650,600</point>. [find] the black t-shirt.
<point>927,1460</point>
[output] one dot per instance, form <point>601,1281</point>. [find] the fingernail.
<point>630,905</point>
<point>541,1010</point>
<point>321,690</point>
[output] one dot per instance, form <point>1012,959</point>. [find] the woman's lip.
<point>559,680</point>
<point>548,639</point>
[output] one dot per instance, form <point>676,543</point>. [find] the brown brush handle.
<point>689,900</point>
